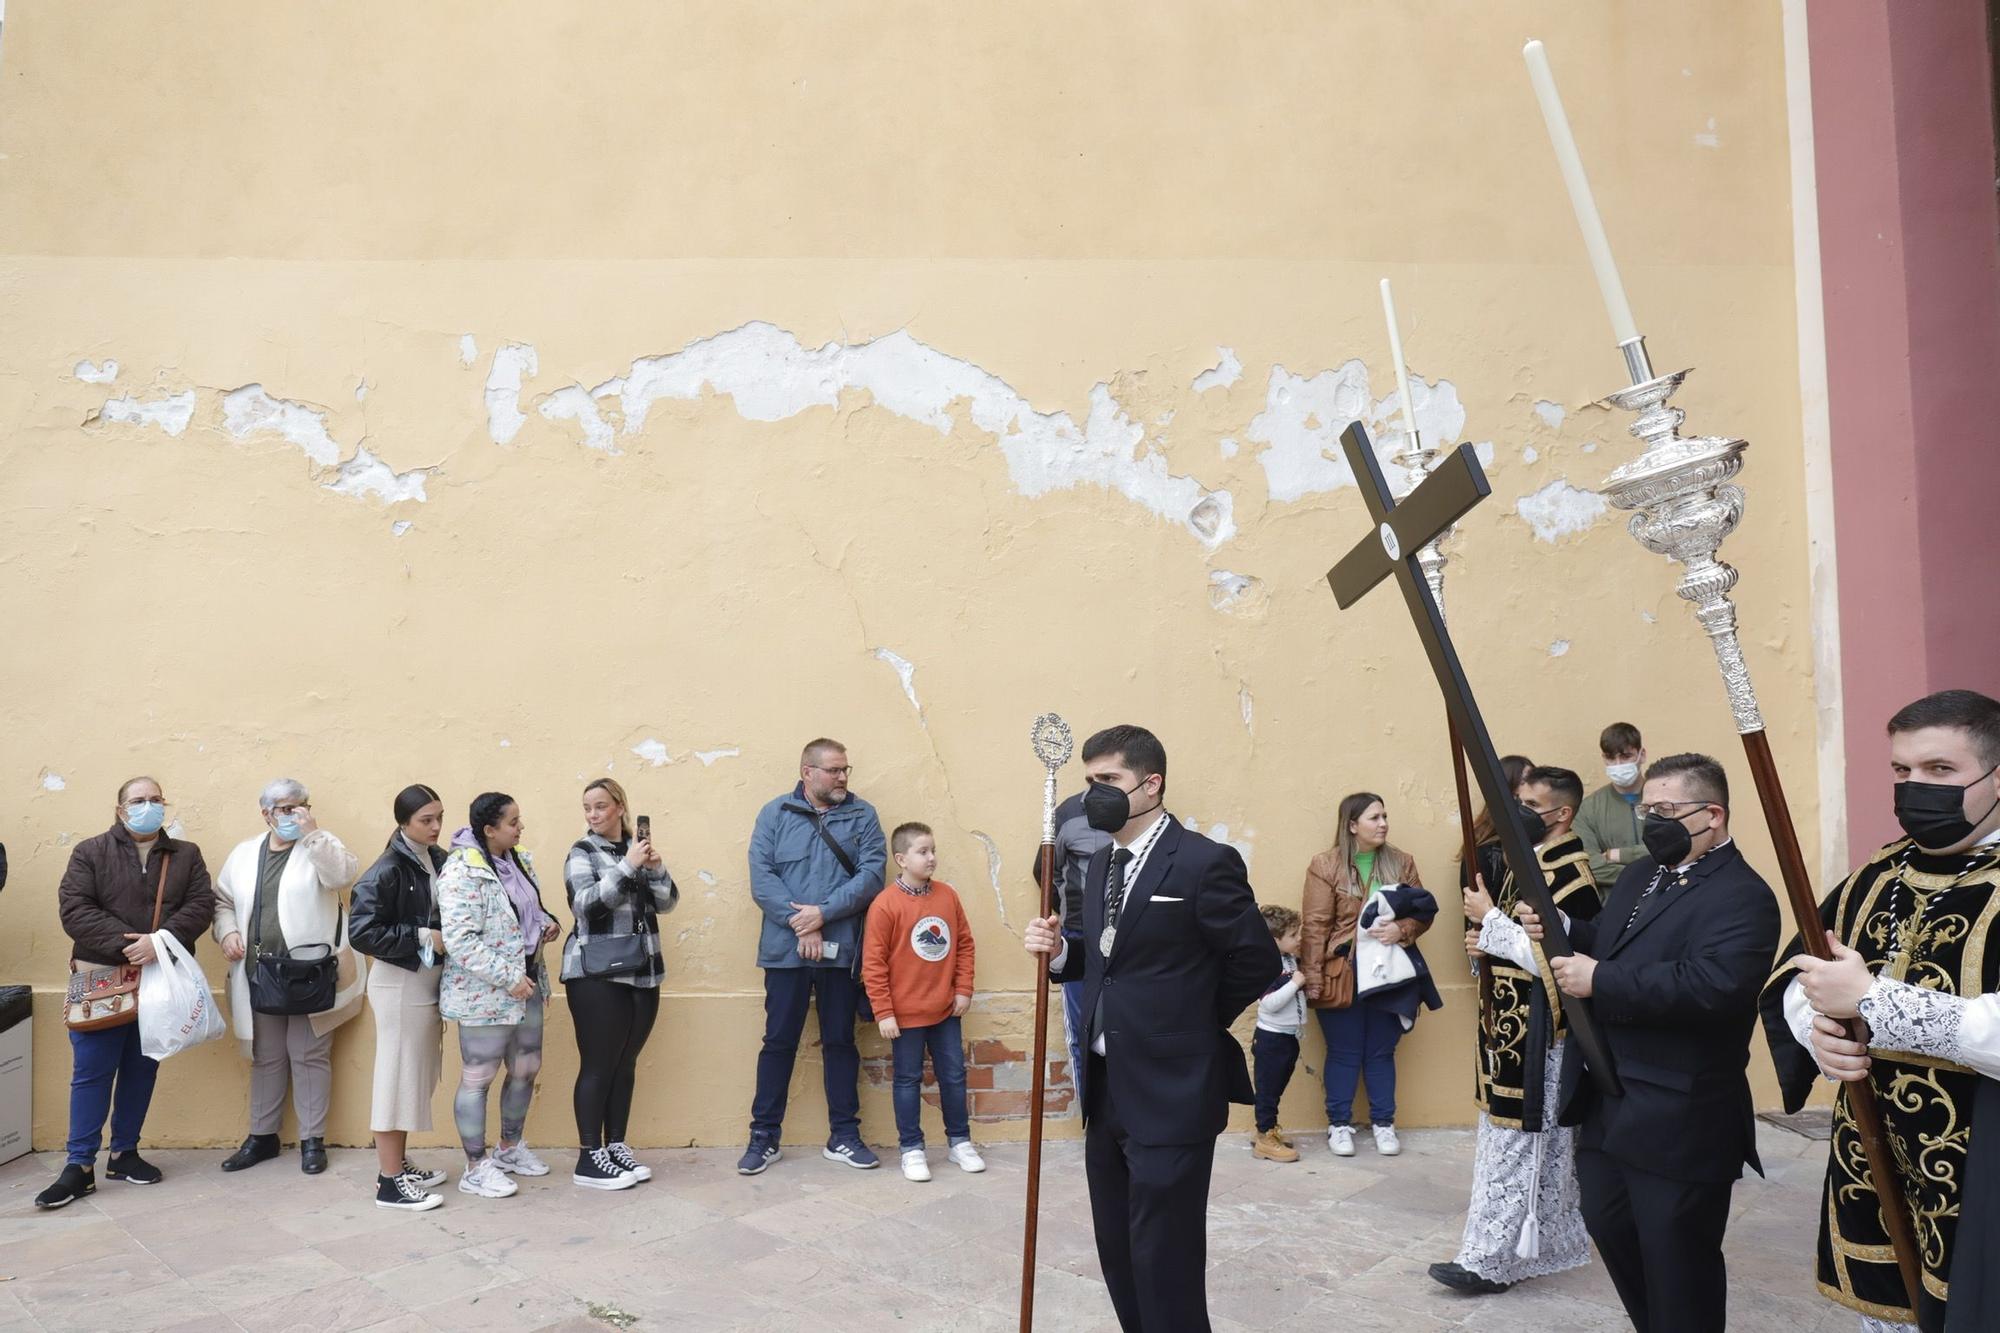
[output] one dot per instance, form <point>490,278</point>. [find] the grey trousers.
<point>283,1050</point>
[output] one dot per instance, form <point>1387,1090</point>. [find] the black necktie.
<point>1658,879</point>
<point>1114,887</point>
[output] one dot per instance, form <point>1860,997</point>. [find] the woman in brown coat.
<point>1359,1037</point>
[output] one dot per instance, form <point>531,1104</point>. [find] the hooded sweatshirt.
<point>521,890</point>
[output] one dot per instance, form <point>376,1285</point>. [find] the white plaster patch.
<point>399,527</point>
<point>365,474</point>
<point>1559,509</point>
<point>708,757</point>
<point>52,781</point>
<point>1227,371</point>
<point>62,839</point>
<point>1552,414</point>
<point>993,874</point>
<point>1708,138</point>
<point>1244,703</point>
<point>506,744</point>
<point>361,391</point>
<point>468,349</point>
<point>171,414</point>
<point>175,830</point>
<point>1220,833</point>
<point>512,365</point>
<point>1228,448</point>
<point>250,411</point>
<point>1529,453</point>
<point>906,672</point>
<point>1649,617</point>
<point>770,376</point>
<point>1302,420</point>
<point>1590,446</point>
<point>93,372</point>
<point>1559,647</point>
<point>653,752</point>
<point>705,876</point>
<point>576,404</point>
<point>1226,589</point>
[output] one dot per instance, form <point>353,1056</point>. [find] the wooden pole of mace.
<point>1046,874</point>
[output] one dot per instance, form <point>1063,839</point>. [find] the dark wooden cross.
<point>1402,530</point>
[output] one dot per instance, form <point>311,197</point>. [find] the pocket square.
<point>1163,898</point>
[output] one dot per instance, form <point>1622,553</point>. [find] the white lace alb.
<point>1507,1179</point>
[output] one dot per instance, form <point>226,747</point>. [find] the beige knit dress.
<point>409,1041</point>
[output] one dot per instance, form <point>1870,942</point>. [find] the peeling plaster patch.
<point>653,752</point>
<point>52,781</point>
<point>90,372</point>
<point>1302,420</point>
<point>1244,702</point>
<point>249,410</point>
<point>1708,138</point>
<point>1560,509</point>
<point>771,376</point>
<point>506,744</point>
<point>1529,453</point>
<point>399,527</point>
<point>906,672</point>
<point>576,404</point>
<point>705,876</point>
<point>1590,446</point>
<point>361,391</point>
<point>993,874</point>
<point>175,830</point>
<point>468,349</point>
<point>708,757</point>
<point>62,839</point>
<point>512,365</point>
<point>1552,414</point>
<point>1228,448</point>
<point>1559,647</point>
<point>1226,589</point>
<point>1649,617</point>
<point>171,414</point>
<point>1227,371</point>
<point>1220,833</point>
<point>365,474</point>
<point>1483,451</point>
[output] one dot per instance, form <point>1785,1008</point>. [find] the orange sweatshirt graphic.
<point>917,955</point>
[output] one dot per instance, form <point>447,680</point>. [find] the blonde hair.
<point>1390,864</point>
<point>610,787</point>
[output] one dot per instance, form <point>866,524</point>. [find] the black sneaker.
<point>629,1164</point>
<point>596,1170</point>
<point>403,1192</point>
<point>758,1156</point>
<point>75,1181</point>
<point>1465,1281</point>
<point>426,1179</point>
<point>129,1165</point>
<point>257,1148</point>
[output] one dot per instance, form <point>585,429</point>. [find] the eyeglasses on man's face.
<point>1673,809</point>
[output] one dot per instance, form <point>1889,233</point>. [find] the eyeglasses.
<point>840,772</point>
<point>1666,809</point>
<point>299,809</point>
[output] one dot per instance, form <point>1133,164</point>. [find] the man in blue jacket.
<point>817,858</point>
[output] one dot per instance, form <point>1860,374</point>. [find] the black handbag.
<point>614,955</point>
<point>864,1010</point>
<point>295,981</point>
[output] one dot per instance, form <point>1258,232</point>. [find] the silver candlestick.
<point>1418,461</point>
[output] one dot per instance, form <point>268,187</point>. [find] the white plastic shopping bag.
<point>176,1008</point>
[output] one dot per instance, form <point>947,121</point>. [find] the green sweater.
<point>1608,820</point>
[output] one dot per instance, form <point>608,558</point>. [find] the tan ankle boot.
<point>1271,1148</point>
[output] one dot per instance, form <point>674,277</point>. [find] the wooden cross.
<point>1402,530</point>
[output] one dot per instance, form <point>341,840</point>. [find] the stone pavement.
<point>1320,1244</point>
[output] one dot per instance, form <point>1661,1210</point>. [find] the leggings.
<point>482,1050</point>
<point>612,1022</point>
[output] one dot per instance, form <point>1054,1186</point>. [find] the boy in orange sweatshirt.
<point>916,963</point>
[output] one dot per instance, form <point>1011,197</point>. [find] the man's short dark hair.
<point>1563,784</point>
<point>905,834</point>
<point>1619,738</point>
<point>1704,777</point>
<point>1968,711</point>
<point>816,750</point>
<point>1139,748</point>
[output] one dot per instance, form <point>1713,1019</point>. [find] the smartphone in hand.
<point>645,823</point>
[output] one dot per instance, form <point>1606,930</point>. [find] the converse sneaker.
<point>485,1178</point>
<point>758,1157</point>
<point>518,1161</point>
<point>130,1166</point>
<point>627,1163</point>
<point>75,1181</point>
<point>426,1179</point>
<point>1386,1141</point>
<point>853,1152</point>
<point>916,1166</point>
<point>597,1169</point>
<point>1340,1138</point>
<point>405,1193</point>
<point>967,1157</point>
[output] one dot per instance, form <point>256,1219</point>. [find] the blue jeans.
<point>1360,1041</point>
<point>948,1063</point>
<point>1073,1029</point>
<point>787,991</point>
<point>109,1076</point>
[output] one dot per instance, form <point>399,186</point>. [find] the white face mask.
<point>1622,775</point>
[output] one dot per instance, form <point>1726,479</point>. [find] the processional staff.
<point>1053,745</point>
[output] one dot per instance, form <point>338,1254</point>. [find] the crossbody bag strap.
<point>160,894</point>
<point>833,843</point>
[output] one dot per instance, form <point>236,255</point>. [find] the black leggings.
<point>612,1022</point>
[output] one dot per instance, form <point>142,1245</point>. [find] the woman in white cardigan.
<point>280,891</point>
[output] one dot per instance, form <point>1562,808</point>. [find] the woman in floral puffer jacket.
<point>494,987</point>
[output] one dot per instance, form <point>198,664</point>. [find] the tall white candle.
<point>1402,370</point>
<point>1580,198</point>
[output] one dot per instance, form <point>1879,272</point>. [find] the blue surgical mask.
<point>145,817</point>
<point>290,827</point>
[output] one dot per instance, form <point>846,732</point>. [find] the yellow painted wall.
<point>1037,209</point>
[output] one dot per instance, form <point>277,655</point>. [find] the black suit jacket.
<point>1676,999</point>
<point>1192,953</point>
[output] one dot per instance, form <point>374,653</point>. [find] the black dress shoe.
<point>257,1148</point>
<point>312,1156</point>
<point>1465,1281</point>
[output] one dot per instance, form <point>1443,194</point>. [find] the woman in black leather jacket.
<point>394,920</point>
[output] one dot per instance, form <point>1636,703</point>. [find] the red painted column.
<point>1902,108</point>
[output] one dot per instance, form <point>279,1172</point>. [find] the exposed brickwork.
<point>997,1080</point>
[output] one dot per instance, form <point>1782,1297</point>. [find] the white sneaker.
<point>627,1163</point>
<point>487,1180</point>
<point>518,1161</point>
<point>967,1156</point>
<point>916,1166</point>
<point>1386,1141</point>
<point>1340,1138</point>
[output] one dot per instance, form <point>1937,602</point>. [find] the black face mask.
<point>1667,840</point>
<point>1933,813</point>
<point>1534,824</point>
<point>1107,808</point>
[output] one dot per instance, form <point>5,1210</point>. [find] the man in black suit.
<point>1172,949</point>
<point>1672,967</point>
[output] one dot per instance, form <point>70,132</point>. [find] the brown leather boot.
<point>1271,1147</point>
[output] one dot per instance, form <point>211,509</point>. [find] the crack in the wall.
<point>906,672</point>
<point>993,878</point>
<point>1246,704</point>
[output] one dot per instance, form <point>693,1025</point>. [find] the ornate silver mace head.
<point>1051,739</point>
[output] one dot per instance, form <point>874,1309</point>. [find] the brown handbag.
<point>108,997</point>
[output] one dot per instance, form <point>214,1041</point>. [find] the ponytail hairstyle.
<point>487,808</point>
<point>612,788</point>
<point>408,801</point>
